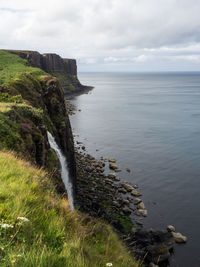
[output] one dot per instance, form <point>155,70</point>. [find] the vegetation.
<point>11,66</point>
<point>37,227</point>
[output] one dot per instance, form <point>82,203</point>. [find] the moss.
<point>125,221</point>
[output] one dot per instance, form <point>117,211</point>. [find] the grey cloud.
<point>106,33</point>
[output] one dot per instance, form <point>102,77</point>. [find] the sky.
<point>107,35</point>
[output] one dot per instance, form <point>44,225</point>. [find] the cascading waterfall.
<point>64,169</point>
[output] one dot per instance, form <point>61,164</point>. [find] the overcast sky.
<point>107,35</point>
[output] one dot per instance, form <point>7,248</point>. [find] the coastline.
<point>103,195</point>
<point>84,90</point>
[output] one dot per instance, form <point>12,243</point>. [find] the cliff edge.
<point>64,69</point>
<point>32,103</point>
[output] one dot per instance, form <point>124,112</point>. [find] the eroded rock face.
<point>64,69</point>
<point>54,63</point>
<point>49,62</point>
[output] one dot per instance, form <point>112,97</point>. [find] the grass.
<point>11,66</point>
<point>53,235</point>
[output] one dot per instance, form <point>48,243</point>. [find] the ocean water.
<point>150,122</point>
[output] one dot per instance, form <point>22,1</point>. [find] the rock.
<point>83,147</point>
<point>118,170</point>
<point>141,206</point>
<point>128,187</point>
<point>171,228</point>
<point>116,204</point>
<point>135,186</point>
<point>126,210</point>
<point>135,193</point>
<point>117,179</point>
<point>156,245</point>
<point>112,160</point>
<point>122,190</point>
<point>126,201</point>
<point>112,176</point>
<point>108,181</point>
<point>113,166</point>
<point>89,169</point>
<point>130,198</point>
<point>142,212</point>
<point>128,170</point>
<point>179,238</point>
<point>137,201</point>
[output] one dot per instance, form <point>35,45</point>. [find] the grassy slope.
<point>11,66</point>
<point>53,236</point>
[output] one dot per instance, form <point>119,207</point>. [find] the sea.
<point>150,122</point>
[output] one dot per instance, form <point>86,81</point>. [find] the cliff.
<point>32,102</point>
<point>36,224</point>
<point>63,68</point>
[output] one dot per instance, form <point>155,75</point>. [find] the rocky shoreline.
<point>105,196</point>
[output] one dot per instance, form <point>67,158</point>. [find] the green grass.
<point>11,66</point>
<point>53,236</point>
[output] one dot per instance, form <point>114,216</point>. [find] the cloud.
<point>106,32</point>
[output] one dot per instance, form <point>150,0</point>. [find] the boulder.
<point>122,190</point>
<point>127,187</point>
<point>135,193</point>
<point>137,201</point>
<point>171,228</point>
<point>112,160</point>
<point>126,201</point>
<point>179,238</point>
<point>141,206</point>
<point>113,166</point>
<point>112,176</point>
<point>128,170</point>
<point>126,210</point>
<point>142,212</point>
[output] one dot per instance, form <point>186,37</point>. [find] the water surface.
<point>151,124</point>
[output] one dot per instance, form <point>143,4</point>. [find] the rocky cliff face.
<point>32,102</point>
<point>63,68</point>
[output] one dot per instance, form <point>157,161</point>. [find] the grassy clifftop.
<point>32,102</point>
<point>37,227</point>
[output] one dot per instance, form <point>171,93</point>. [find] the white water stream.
<point>64,169</point>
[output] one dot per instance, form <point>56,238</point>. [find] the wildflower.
<point>109,264</point>
<point>23,219</point>
<point>5,225</point>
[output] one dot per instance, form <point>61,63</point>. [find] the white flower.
<point>5,225</point>
<point>23,219</point>
<point>109,264</point>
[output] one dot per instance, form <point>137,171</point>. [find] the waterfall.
<point>64,169</point>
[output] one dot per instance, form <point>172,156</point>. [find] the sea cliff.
<point>64,69</point>
<point>36,225</point>
<point>32,102</point>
